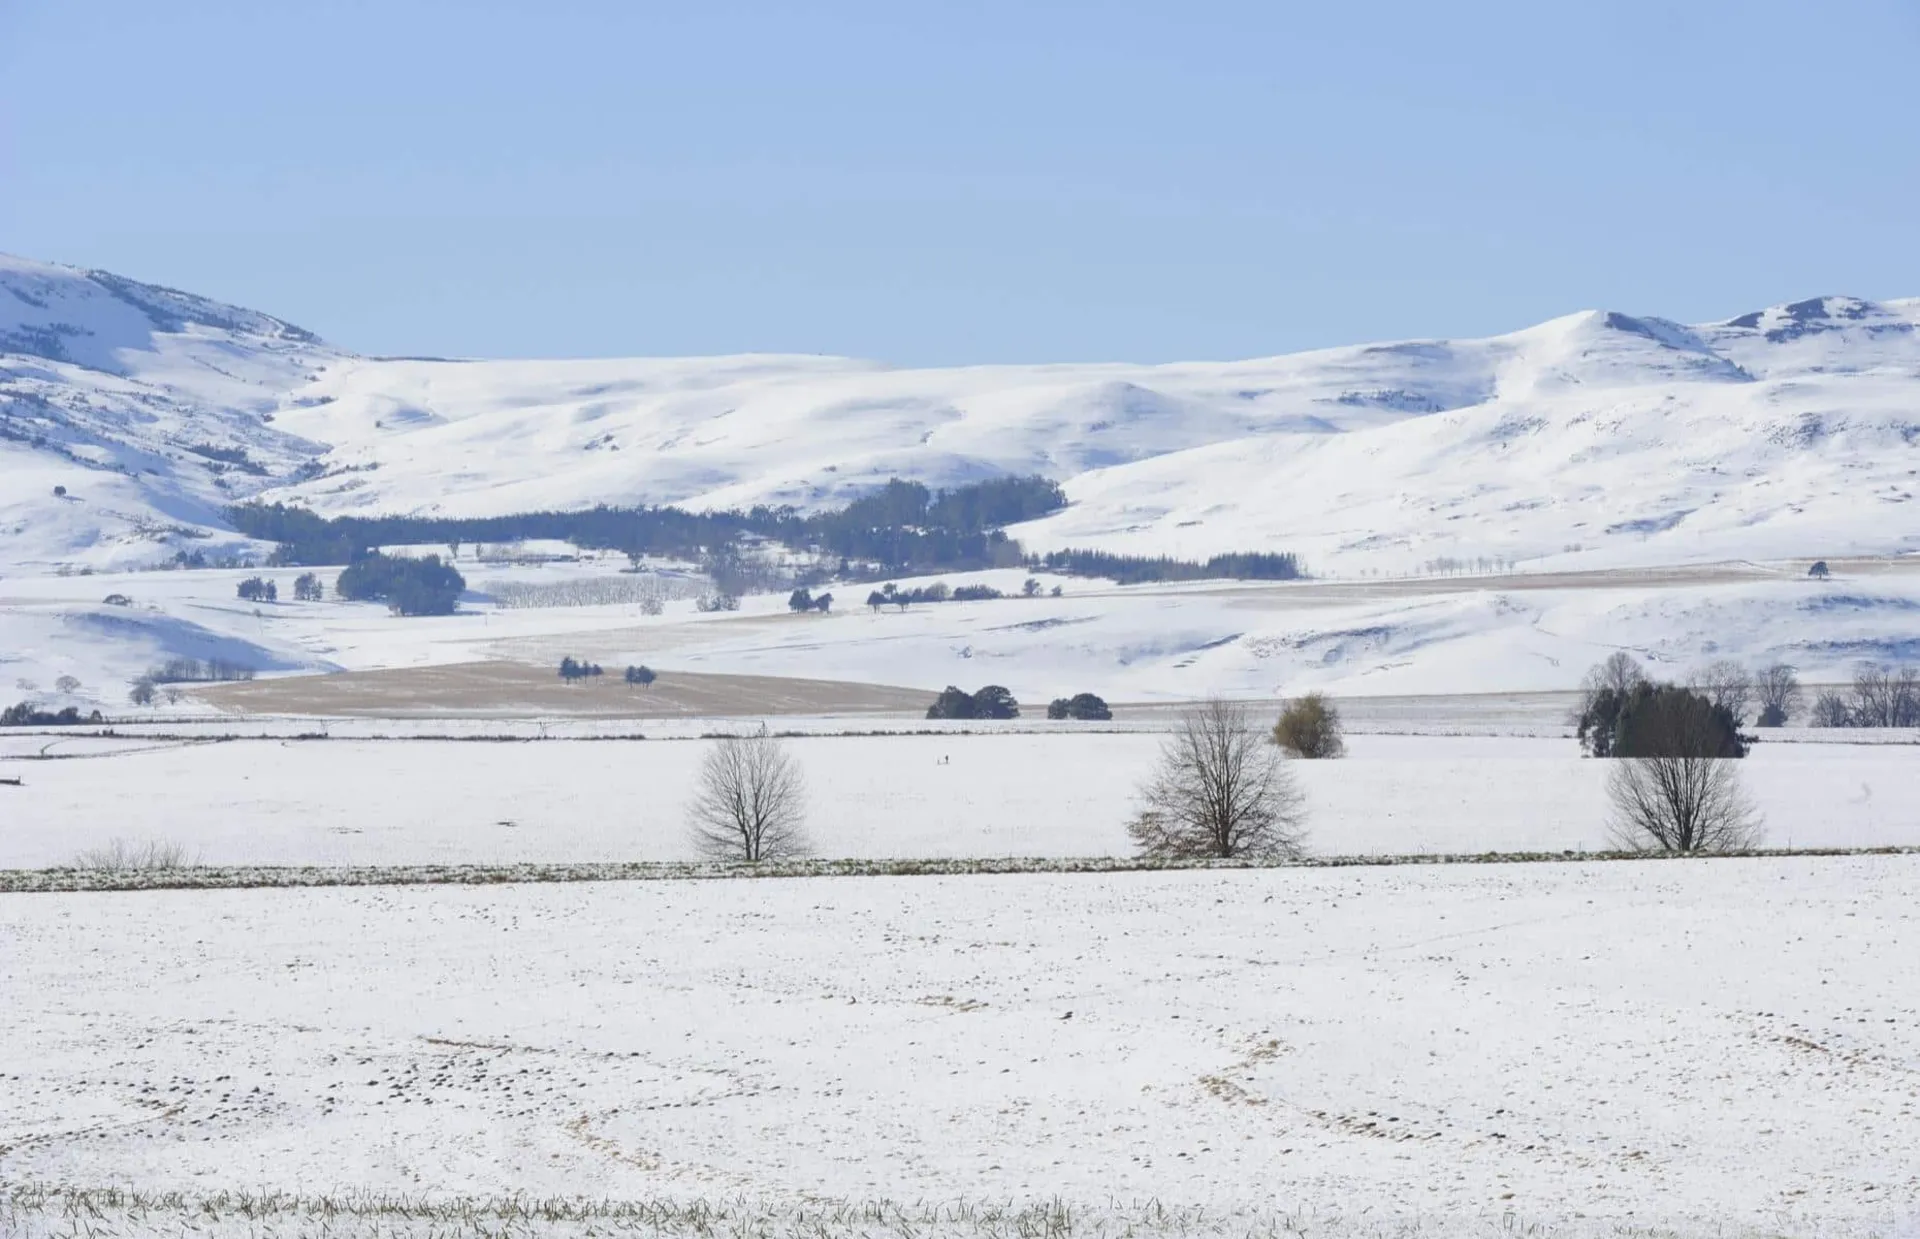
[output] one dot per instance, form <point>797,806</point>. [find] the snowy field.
<point>1453,636</point>
<point>1703,1047</point>
<point>351,802</point>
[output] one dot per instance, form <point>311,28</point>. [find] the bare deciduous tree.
<point>1830,709</point>
<point>1220,789</point>
<point>1619,673</point>
<point>751,802</point>
<point>1779,692</point>
<point>1725,683</point>
<point>1680,804</point>
<point>1883,697</point>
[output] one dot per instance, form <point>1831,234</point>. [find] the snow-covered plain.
<point>1701,1047</point>
<point>1148,643</point>
<point>372,802</point>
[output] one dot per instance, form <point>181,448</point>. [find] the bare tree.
<point>1681,804</point>
<point>1725,683</point>
<point>751,802</point>
<point>1830,709</point>
<point>1779,692</point>
<point>67,684</point>
<point>1883,697</point>
<point>1620,673</point>
<point>1220,789</point>
<point>1681,791</point>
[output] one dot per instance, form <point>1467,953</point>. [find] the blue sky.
<point>942,183</point>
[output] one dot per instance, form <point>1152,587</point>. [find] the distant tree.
<point>823,604</point>
<point>141,694</point>
<point>1619,671</point>
<point>307,588</point>
<point>1220,790</point>
<point>1830,709</point>
<point>1819,571</point>
<point>1884,697</point>
<point>800,599</point>
<point>1725,683</point>
<point>571,669</point>
<point>1030,588</point>
<point>1779,692</point>
<point>993,701</point>
<point>1080,706</point>
<point>67,685</point>
<point>720,601</point>
<point>750,802</point>
<point>876,600</point>
<point>641,675</point>
<point>1603,692</point>
<point>953,703</point>
<point>1055,591</point>
<point>59,492</point>
<point>253,589</point>
<point>117,600</point>
<point>1309,727</point>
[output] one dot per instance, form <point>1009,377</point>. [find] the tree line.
<point>902,527</point>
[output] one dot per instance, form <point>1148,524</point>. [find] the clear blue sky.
<point>930,183</point>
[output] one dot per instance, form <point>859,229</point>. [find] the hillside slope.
<point>1789,431</point>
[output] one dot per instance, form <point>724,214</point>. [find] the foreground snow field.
<point>341,802</point>
<point>1722,1047</point>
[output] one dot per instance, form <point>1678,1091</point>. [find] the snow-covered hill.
<point>1596,439</point>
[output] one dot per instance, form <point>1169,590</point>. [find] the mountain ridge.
<point>1787,430</point>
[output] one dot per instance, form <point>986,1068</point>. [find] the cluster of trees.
<point>26,714</point>
<point>422,586</point>
<point>258,589</point>
<point>572,670</point>
<point>803,599</point>
<point>1879,697</point>
<point>903,526</point>
<point>642,675</point>
<point>197,671</point>
<point>1673,782</point>
<point>1134,569</point>
<point>307,588</point>
<point>1082,707</point>
<point>993,701</point>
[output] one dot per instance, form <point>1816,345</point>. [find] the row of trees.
<point>903,525</point>
<point>803,599</point>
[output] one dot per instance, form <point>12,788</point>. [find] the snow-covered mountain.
<point>1789,431</point>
